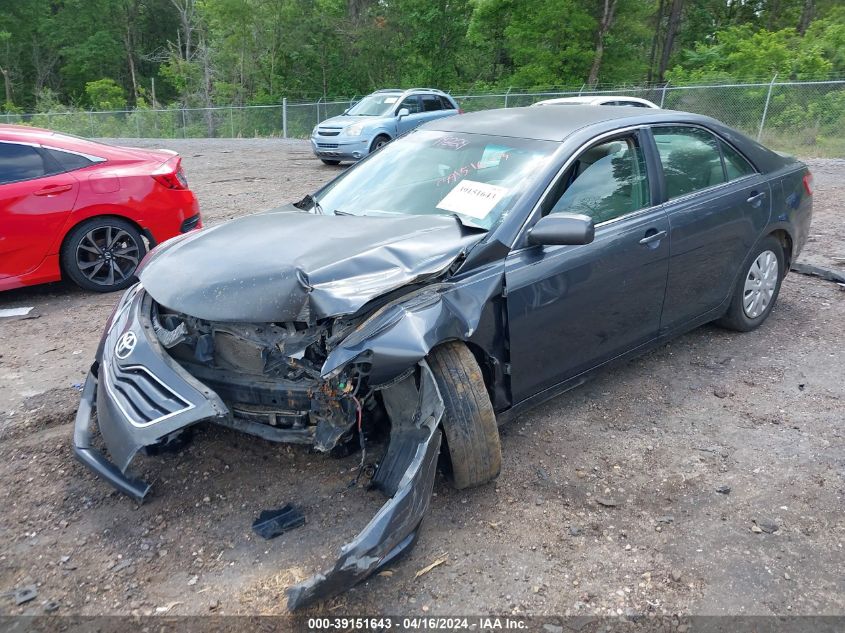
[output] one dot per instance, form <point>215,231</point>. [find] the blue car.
<point>376,120</point>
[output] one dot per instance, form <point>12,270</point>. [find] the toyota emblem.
<point>125,345</point>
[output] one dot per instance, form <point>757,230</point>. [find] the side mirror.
<point>403,112</point>
<point>562,228</point>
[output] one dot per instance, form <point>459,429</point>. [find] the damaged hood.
<point>288,265</point>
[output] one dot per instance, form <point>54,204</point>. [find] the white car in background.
<point>615,100</point>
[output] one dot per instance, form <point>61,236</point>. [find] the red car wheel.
<point>101,254</point>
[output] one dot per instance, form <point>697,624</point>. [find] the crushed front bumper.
<point>135,395</point>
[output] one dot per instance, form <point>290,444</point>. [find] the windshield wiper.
<point>309,202</point>
<point>339,212</point>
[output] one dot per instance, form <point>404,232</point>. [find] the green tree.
<point>105,94</point>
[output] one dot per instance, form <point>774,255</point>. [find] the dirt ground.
<point>608,501</point>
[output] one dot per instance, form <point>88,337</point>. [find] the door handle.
<point>653,237</point>
<point>756,198</point>
<point>51,190</point>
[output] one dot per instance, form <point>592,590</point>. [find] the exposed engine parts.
<point>268,375</point>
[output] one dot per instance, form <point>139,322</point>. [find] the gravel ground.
<point>609,499</point>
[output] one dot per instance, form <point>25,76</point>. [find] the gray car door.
<point>717,206</point>
<point>571,308</point>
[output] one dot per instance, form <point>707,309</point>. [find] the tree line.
<point>111,54</point>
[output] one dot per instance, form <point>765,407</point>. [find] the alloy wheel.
<point>107,255</point>
<point>760,284</point>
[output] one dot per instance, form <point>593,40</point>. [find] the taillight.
<point>808,183</point>
<point>171,175</point>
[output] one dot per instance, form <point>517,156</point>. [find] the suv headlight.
<point>354,129</point>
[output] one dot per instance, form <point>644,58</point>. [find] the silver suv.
<point>376,120</point>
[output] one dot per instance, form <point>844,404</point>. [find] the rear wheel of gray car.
<point>326,161</point>
<point>101,254</point>
<point>469,422</point>
<point>757,288</point>
<point>378,142</point>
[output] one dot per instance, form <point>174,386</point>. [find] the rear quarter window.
<point>735,163</point>
<point>68,161</point>
<point>446,104</point>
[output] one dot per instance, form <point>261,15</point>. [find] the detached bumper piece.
<point>93,458</point>
<point>406,474</point>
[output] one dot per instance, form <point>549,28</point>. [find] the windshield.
<point>374,105</point>
<point>475,177</point>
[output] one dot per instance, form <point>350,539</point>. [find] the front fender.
<point>402,333</point>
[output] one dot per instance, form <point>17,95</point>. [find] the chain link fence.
<point>806,118</point>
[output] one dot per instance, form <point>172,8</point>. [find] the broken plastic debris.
<point>13,312</point>
<point>25,594</point>
<point>271,523</point>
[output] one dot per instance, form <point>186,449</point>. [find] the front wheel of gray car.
<point>469,422</point>
<point>327,161</point>
<point>757,288</point>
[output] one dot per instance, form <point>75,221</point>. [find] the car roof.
<point>24,132</point>
<point>556,124</point>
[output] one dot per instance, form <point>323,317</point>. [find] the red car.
<point>85,211</point>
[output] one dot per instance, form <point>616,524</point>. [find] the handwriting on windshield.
<point>470,168</point>
<point>451,142</point>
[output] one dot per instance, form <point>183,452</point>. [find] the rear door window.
<point>20,162</point>
<point>446,104</point>
<point>431,103</point>
<point>690,157</point>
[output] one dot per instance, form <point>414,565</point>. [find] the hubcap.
<point>760,284</point>
<point>107,255</point>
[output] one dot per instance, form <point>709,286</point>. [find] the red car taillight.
<point>171,175</point>
<point>808,183</point>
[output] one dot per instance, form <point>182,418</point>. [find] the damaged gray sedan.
<point>464,272</point>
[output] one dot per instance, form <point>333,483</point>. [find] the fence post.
<point>766,108</point>
<point>232,121</point>
<point>184,131</point>
<point>284,117</point>
<point>582,89</point>
<point>318,110</point>
<point>506,96</point>
<point>137,123</point>
<point>91,122</point>
<point>663,94</point>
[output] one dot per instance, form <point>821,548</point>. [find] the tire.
<point>749,307</point>
<point>117,259</point>
<point>469,423</point>
<point>378,142</point>
<point>326,161</point>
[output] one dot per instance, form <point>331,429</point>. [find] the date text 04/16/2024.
<point>414,623</point>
